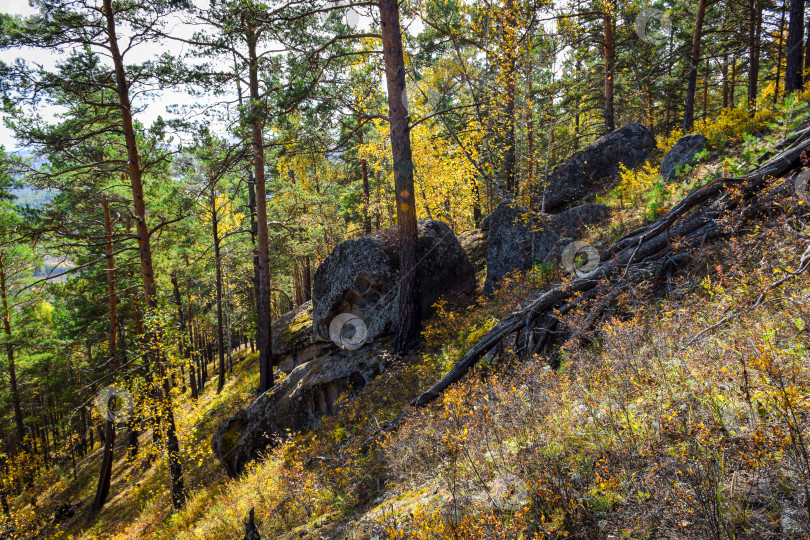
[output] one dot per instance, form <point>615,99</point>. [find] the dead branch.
<point>638,255</point>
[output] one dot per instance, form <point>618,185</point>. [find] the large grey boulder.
<point>518,238</point>
<point>474,243</point>
<point>297,403</point>
<point>294,342</point>
<point>681,154</point>
<point>361,277</point>
<point>576,176</point>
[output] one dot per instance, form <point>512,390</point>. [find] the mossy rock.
<point>293,330</point>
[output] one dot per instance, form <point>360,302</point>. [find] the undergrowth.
<point>651,427</point>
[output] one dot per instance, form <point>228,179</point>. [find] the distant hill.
<point>31,196</point>
<point>55,268</point>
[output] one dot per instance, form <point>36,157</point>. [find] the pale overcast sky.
<point>157,107</point>
<point>19,7</point>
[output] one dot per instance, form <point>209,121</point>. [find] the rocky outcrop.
<point>518,238</point>
<point>681,154</point>
<point>294,342</point>
<point>474,243</point>
<point>297,403</point>
<point>361,277</point>
<point>575,177</point>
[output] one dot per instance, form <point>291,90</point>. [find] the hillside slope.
<point>681,411</point>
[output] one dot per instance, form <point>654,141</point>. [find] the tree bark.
<point>83,430</point>
<point>779,55</point>
<point>185,339</point>
<point>807,47</point>
<point>218,267</point>
<point>410,310</point>
<point>706,76</point>
<point>297,287</point>
<point>366,192</point>
<point>510,66</point>
<point>733,86</point>
<point>754,41</point>
<point>793,71</point>
<point>253,236</point>
<point>610,66</point>
<point>12,368</point>
<point>105,476</point>
<point>725,80</point>
<point>144,245</point>
<point>308,277</point>
<point>262,245</point>
<point>694,59</point>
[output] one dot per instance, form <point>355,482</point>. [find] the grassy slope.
<point>639,434</point>
<point>139,504</point>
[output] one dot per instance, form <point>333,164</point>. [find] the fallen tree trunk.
<point>638,254</point>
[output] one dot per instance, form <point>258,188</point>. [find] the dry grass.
<point>635,436</point>
<point>648,429</point>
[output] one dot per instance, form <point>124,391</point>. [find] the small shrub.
<point>728,128</point>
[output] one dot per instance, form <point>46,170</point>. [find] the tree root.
<point>637,256</point>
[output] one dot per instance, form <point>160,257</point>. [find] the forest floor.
<point>658,424</point>
<point>136,507</point>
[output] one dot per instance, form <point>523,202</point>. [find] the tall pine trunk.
<point>754,42</point>
<point>793,71</point>
<point>308,276</point>
<point>694,59</point>
<point>610,67</point>
<point>807,47</point>
<point>366,192</point>
<point>263,240</point>
<point>185,340</point>
<point>725,80</point>
<point>254,240</point>
<point>410,309</point>
<point>105,476</point>
<point>779,56</point>
<point>510,150</point>
<point>144,248</point>
<point>12,368</point>
<point>218,267</point>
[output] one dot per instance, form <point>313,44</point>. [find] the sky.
<point>16,7</point>
<point>157,107</point>
<point>151,110</point>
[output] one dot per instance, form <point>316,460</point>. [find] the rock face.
<point>682,153</point>
<point>361,277</point>
<point>298,402</point>
<point>474,243</point>
<point>518,238</point>
<point>629,145</point>
<point>293,340</point>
